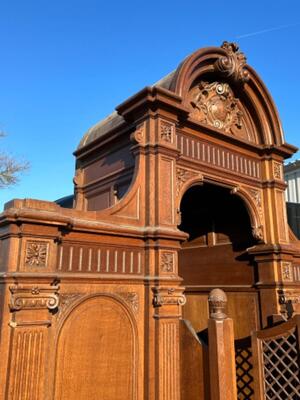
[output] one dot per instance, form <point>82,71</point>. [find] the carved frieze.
<point>168,296</point>
<point>33,297</point>
<point>36,253</point>
<point>232,66</point>
<point>167,262</point>
<point>214,104</point>
<point>182,176</point>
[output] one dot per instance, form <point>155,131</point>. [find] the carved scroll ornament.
<point>232,65</point>
<point>33,297</point>
<point>168,296</point>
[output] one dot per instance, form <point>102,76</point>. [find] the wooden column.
<point>167,302</point>
<point>221,349</point>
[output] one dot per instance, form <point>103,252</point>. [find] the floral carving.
<point>277,168</point>
<point>232,65</point>
<point>258,232</point>
<point>167,262</point>
<point>36,254</point>
<point>214,104</point>
<point>33,297</point>
<point>132,298</point>
<point>65,301</point>
<point>182,176</point>
<point>286,271</point>
<point>166,131</point>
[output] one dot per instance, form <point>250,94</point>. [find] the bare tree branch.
<point>10,169</point>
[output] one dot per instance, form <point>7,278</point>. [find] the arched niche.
<point>220,231</point>
<point>96,355</point>
<point>219,224</point>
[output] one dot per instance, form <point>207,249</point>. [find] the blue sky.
<point>66,64</point>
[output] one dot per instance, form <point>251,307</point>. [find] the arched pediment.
<point>222,91</point>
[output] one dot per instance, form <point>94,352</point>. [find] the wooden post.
<point>221,349</point>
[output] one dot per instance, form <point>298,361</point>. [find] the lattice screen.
<point>244,369</point>
<point>281,368</point>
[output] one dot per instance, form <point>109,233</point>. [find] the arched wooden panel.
<point>96,353</point>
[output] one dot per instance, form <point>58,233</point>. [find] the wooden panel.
<point>242,308</point>
<point>96,355</point>
<point>193,365</point>
<point>166,205</point>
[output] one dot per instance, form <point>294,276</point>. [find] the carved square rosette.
<point>167,262</point>
<point>166,132</point>
<point>36,254</point>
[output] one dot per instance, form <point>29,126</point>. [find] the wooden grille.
<point>244,369</point>
<point>281,368</point>
<point>276,359</point>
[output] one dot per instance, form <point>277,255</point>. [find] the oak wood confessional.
<point>177,192</point>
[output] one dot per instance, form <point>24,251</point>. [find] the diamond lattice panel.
<point>281,368</point>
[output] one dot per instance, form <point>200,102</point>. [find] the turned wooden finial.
<point>217,301</point>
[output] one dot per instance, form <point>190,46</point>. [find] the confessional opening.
<point>220,232</point>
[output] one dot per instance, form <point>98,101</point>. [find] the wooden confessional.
<point>178,192</point>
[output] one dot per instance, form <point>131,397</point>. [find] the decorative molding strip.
<point>36,253</point>
<point>33,297</point>
<point>94,259</point>
<point>168,296</point>
<point>217,156</point>
<point>167,261</point>
<point>132,298</point>
<point>182,176</point>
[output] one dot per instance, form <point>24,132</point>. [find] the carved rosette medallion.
<point>33,297</point>
<point>286,271</point>
<point>167,261</point>
<point>277,170</point>
<point>214,104</point>
<point>36,254</point>
<point>168,296</point>
<point>132,298</point>
<point>182,176</point>
<point>166,131</point>
<point>233,64</point>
